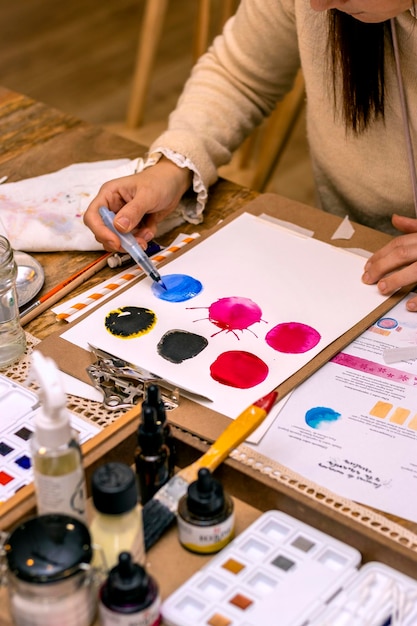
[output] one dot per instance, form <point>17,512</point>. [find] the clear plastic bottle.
<point>12,335</point>
<point>117,522</point>
<point>56,455</point>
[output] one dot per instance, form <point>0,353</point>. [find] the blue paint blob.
<point>319,416</point>
<point>179,288</point>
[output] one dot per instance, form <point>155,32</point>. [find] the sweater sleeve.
<point>237,83</point>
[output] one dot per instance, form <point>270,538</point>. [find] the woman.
<point>355,121</point>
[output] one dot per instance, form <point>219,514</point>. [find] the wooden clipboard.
<point>201,421</point>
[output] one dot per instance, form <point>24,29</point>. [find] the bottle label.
<point>151,616</point>
<point>61,494</point>
<point>206,539</point>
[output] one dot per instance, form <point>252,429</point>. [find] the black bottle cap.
<point>150,434</point>
<point>113,488</point>
<point>153,399</point>
<point>48,548</point>
<point>205,496</point>
<point>128,585</point>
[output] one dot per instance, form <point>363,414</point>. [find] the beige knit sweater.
<point>253,64</point>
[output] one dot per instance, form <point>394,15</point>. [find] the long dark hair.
<point>357,55</point>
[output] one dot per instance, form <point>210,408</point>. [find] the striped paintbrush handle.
<point>72,309</point>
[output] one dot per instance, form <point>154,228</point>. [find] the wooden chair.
<point>266,146</point>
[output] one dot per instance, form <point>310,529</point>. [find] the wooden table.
<point>34,140</point>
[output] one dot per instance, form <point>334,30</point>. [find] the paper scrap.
<point>345,230</point>
<point>394,355</point>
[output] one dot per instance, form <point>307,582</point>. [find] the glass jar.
<point>12,335</point>
<point>49,577</point>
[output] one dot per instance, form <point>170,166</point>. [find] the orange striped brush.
<point>161,510</point>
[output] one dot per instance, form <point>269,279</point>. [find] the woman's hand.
<point>395,265</point>
<point>140,202</point>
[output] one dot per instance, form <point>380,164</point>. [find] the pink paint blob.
<point>234,313</point>
<point>240,369</point>
<point>292,338</point>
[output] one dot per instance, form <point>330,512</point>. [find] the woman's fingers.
<point>140,201</point>
<point>395,265</point>
<point>404,224</point>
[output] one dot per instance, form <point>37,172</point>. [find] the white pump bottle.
<point>56,455</point>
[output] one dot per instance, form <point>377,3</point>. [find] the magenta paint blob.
<point>240,369</point>
<point>292,338</point>
<point>234,313</point>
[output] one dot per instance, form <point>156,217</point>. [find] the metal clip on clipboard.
<point>123,385</point>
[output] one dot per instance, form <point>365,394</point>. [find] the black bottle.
<point>151,455</point>
<point>153,399</point>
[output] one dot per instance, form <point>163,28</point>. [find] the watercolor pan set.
<point>282,571</point>
<point>18,407</point>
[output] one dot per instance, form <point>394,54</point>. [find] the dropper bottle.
<point>153,399</point>
<point>129,596</point>
<point>56,454</point>
<point>151,455</point>
<point>205,515</point>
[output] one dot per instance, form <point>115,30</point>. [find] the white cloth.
<point>45,213</point>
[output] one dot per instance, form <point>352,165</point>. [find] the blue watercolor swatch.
<point>319,416</point>
<point>179,288</point>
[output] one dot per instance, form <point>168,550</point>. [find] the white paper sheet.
<point>292,278</point>
<point>352,426</point>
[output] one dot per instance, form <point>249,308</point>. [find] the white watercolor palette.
<point>18,407</point>
<point>378,596</point>
<point>282,571</point>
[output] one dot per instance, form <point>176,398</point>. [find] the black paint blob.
<point>129,322</point>
<point>178,345</point>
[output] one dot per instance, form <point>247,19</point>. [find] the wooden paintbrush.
<point>161,510</point>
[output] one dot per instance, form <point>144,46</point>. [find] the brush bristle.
<point>157,518</point>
